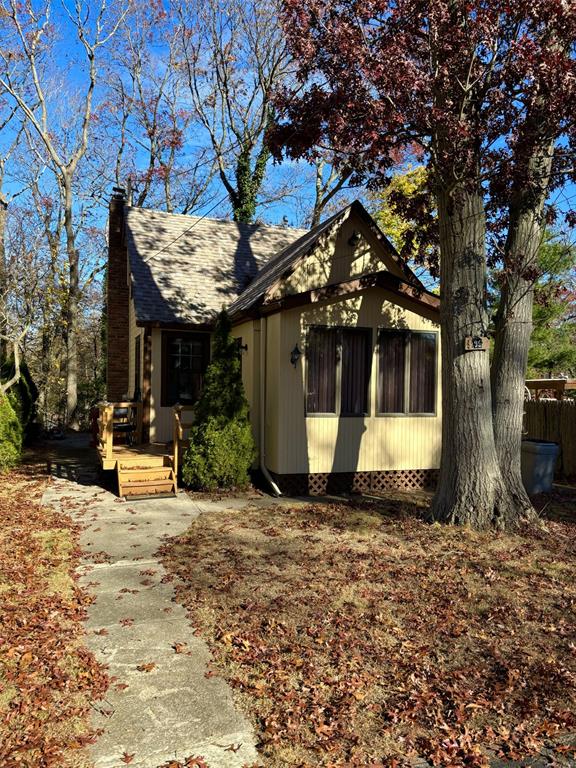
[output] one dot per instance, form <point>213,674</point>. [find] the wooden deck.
<point>142,469</point>
<point>133,454</point>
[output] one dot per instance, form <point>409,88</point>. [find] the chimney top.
<point>119,193</point>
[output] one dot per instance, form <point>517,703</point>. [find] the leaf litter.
<point>363,636</point>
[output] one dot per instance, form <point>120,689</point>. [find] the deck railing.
<point>183,420</point>
<point>105,440</point>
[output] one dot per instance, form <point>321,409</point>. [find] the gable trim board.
<point>417,299</point>
<point>282,266</point>
<point>317,278</point>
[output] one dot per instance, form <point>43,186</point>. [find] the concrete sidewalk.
<point>160,705</point>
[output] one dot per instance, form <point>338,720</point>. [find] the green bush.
<point>221,445</point>
<point>219,455</point>
<point>10,435</point>
<point>23,395</point>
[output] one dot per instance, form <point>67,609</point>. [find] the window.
<point>338,371</point>
<point>185,358</point>
<point>406,372</point>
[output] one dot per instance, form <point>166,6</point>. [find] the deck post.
<point>108,419</point>
<point>177,437</point>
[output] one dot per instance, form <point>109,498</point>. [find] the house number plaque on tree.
<point>473,343</point>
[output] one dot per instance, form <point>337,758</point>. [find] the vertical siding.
<point>160,418</point>
<point>250,370</point>
<point>332,444</point>
<point>133,332</point>
<point>334,260</point>
<point>276,364</point>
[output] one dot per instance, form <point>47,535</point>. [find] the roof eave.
<point>422,301</point>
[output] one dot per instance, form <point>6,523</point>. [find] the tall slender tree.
<point>30,42</point>
<point>234,55</point>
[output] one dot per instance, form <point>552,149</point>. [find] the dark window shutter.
<point>355,372</point>
<point>321,365</point>
<point>422,373</point>
<point>391,373</point>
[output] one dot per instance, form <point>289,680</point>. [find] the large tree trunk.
<point>471,489</point>
<point>514,321</point>
<point>71,317</point>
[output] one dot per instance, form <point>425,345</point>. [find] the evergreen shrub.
<point>22,395</point>
<point>221,444</point>
<point>10,435</point>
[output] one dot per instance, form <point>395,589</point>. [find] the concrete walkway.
<point>160,706</point>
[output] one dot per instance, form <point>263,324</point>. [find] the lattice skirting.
<point>337,483</point>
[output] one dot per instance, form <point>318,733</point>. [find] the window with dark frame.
<point>338,371</point>
<point>185,357</point>
<point>407,372</point>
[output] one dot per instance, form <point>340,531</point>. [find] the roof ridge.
<point>211,219</point>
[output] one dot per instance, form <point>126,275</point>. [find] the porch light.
<point>295,355</point>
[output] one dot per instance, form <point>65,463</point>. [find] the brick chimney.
<point>117,301</point>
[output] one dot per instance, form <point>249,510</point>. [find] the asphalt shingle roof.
<point>185,269</point>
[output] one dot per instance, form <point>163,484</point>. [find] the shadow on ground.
<point>70,458</point>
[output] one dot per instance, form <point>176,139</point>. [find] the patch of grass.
<point>355,634</point>
<point>47,678</point>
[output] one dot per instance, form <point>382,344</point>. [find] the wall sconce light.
<point>295,355</point>
<point>354,238</point>
<point>241,346</point>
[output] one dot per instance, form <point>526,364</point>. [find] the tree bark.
<point>471,490</point>
<point>248,182</point>
<point>71,312</point>
<point>513,327</point>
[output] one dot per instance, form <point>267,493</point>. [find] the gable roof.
<point>185,268</point>
<point>286,261</point>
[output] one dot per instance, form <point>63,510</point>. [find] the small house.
<point>339,341</point>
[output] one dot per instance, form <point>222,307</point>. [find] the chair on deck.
<point>124,423</point>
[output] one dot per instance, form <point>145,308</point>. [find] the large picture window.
<point>407,372</point>
<point>185,357</point>
<point>338,371</point>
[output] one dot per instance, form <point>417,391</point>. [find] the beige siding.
<point>334,260</point>
<point>329,443</point>
<point>160,418</point>
<point>275,437</point>
<point>133,332</point>
<point>250,335</point>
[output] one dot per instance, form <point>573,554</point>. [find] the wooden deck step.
<point>146,473</point>
<point>146,481</point>
<point>150,488</point>
<point>143,462</point>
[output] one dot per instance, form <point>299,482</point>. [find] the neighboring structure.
<point>339,341</point>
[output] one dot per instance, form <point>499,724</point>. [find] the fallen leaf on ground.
<point>146,667</point>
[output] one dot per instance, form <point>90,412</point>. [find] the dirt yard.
<point>357,635</point>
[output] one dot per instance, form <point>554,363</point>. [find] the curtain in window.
<point>355,372</point>
<point>392,354</point>
<point>321,364</point>
<point>422,373</point>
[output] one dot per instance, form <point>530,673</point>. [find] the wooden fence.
<point>554,420</point>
